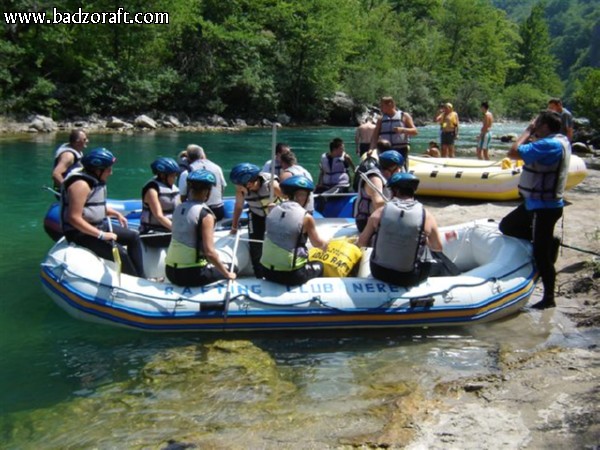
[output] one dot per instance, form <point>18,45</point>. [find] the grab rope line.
<point>589,252</point>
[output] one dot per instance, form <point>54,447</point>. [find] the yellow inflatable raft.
<point>472,178</point>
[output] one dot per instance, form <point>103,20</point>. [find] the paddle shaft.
<point>230,281</point>
<point>273,147</point>
<point>375,188</point>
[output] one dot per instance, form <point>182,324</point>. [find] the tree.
<point>536,65</point>
<point>587,96</point>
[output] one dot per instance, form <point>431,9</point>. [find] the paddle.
<point>115,251</point>
<point>273,146</point>
<point>230,281</point>
<point>49,189</point>
<point>372,186</point>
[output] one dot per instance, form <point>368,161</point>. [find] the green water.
<point>65,383</point>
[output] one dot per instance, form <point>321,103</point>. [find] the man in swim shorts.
<point>485,135</point>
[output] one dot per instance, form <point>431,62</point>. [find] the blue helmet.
<point>403,181</point>
<point>390,158</point>
<point>296,183</point>
<point>98,158</point>
<point>164,165</point>
<point>242,173</point>
<point>202,177</point>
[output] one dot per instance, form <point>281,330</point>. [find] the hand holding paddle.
<point>115,250</point>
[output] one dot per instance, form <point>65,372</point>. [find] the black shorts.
<point>448,137</point>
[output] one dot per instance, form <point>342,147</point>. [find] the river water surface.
<point>70,384</point>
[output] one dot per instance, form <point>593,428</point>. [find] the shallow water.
<point>65,383</point>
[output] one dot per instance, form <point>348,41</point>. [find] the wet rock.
<point>144,121</point>
<point>116,123</point>
<point>510,137</point>
<point>217,121</point>
<point>42,124</point>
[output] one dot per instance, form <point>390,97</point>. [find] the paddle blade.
<point>117,260</point>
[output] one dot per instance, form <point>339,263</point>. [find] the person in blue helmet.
<point>192,259</point>
<point>257,190</point>
<point>84,213</point>
<point>288,226</point>
<point>403,229</point>
<point>160,196</point>
<point>370,194</point>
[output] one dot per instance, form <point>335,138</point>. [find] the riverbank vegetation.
<point>257,58</point>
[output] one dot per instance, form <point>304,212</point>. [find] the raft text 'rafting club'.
<point>80,17</point>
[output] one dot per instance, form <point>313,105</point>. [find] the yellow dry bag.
<point>338,260</point>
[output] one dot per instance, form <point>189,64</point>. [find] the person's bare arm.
<point>513,153</point>
<point>364,240</point>
<point>374,194</point>
<point>313,235</point>
<point>434,240</point>
<point>409,126</point>
<point>65,160</point>
<point>208,247</point>
<point>240,198</point>
<point>376,132</point>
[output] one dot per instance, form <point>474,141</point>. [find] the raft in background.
<point>476,179</point>
<point>497,279</point>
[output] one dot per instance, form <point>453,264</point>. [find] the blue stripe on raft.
<point>178,322</point>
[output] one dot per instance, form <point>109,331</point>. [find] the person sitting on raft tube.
<point>160,196</point>
<point>84,213</point>
<point>288,225</point>
<point>403,230</point>
<point>191,258</point>
<point>254,188</point>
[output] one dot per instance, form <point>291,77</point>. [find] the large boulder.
<point>217,121</point>
<point>144,121</point>
<point>114,123</point>
<point>42,124</point>
<point>171,121</point>
<point>341,109</point>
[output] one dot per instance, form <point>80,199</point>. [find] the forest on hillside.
<point>258,58</point>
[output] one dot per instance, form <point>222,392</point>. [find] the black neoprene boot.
<point>544,303</point>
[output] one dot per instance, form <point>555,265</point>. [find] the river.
<point>69,384</point>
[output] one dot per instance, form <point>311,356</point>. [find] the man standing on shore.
<point>395,126</point>
<point>485,135</point>
<point>448,120</point>
<point>542,185</point>
<point>364,135</point>
<point>566,118</point>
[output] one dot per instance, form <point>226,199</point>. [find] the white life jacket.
<point>400,241</point>
<point>168,197</point>
<point>335,171</point>
<point>284,248</point>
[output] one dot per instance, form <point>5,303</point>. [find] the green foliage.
<point>587,95</point>
<point>523,101</point>
<point>256,58</point>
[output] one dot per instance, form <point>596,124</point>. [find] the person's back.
<point>364,135</point>
<point>67,157</point>
<point>288,226</point>
<point>403,229</point>
<point>191,257</point>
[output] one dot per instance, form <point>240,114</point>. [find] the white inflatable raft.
<point>471,178</point>
<point>497,279</point>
